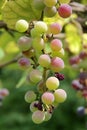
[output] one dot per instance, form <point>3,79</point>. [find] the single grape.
<point>35,76</point>
<point>64,1</point>
<point>55,28</point>
<point>65,10</point>
<point>21,25</point>
<point>81,110</point>
<point>33,106</point>
<point>56,45</point>
<point>24,63</point>
<point>44,60</point>
<point>47,98</point>
<point>24,43</point>
<point>30,96</point>
<point>50,11</point>
<point>48,116</point>
<point>34,33</point>
<point>49,3</point>
<point>4,92</point>
<point>57,64</point>
<point>40,27</point>
<point>38,43</point>
<point>60,95</point>
<point>38,117</point>
<point>52,83</point>
<point>38,4</point>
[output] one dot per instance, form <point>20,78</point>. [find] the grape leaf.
<point>19,9</point>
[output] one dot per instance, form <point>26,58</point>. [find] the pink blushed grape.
<point>65,10</point>
<point>56,45</point>
<point>47,98</point>
<point>24,63</point>
<point>57,64</point>
<point>60,95</point>
<point>52,83</point>
<point>30,96</point>
<point>55,28</point>
<point>38,117</point>
<point>24,43</point>
<point>44,60</point>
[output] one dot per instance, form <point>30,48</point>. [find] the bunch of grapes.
<point>3,93</point>
<point>42,58</point>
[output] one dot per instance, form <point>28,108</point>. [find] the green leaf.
<point>19,9</point>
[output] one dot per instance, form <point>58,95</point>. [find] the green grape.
<point>47,98</point>
<point>47,116</point>
<point>44,60</point>
<point>30,96</point>
<point>24,43</point>
<point>40,27</point>
<point>38,117</point>
<point>60,95</point>
<point>38,4</point>
<point>50,11</point>
<point>38,43</point>
<point>59,53</point>
<point>52,83</point>
<point>21,25</point>
<point>64,1</point>
<point>33,108</point>
<point>35,76</point>
<point>50,3</point>
<point>34,33</point>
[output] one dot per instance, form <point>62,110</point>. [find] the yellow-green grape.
<point>21,25</point>
<point>50,11</point>
<point>50,3</point>
<point>59,53</point>
<point>40,27</point>
<point>64,1</point>
<point>34,33</point>
<point>60,95</point>
<point>38,4</point>
<point>33,107</point>
<point>38,43</point>
<point>48,116</point>
<point>44,60</point>
<point>56,45</point>
<point>30,96</point>
<point>35,76</point>
<point>52,83</point>
<point>47,98</point>
<point>57,64</point>
<point>38,117</point>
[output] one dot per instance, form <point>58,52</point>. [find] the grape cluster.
<point>42,58</point>
<point>3,93</point>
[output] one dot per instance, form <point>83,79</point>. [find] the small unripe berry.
<point>30,96</point>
